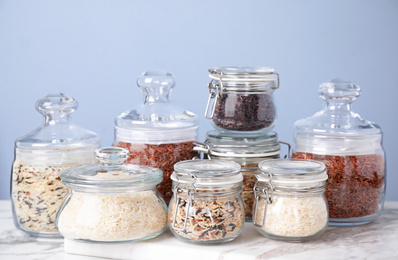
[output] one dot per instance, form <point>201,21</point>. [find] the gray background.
<point>94,50</point>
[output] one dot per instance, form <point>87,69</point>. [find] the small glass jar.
<point>36,188</point>
<point>206,206</point>
<point>243,98</point>
<point>351,148</point>
<point>290,204</point>
<point>157,133</point>
<point>112,201</point>
<point>246,150</point>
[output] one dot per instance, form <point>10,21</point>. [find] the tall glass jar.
<point>157,133</point>
<point>246,150</point>
<point>206,206</point>
<point>112,201</point>
<point>290,204</point>
<point>36,188</point>
<point>243,98</point>
<point>351,148</point>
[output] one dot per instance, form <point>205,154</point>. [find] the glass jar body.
<point>162,156</point>
<point>355,189</point>
<point>293,217</point>
<point>36,188</point>
<point>110,217</point>
<point>244,111</point>
<point>212,214</point>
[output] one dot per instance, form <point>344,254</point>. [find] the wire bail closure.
<point>191,197</point>
<point>258,195</point>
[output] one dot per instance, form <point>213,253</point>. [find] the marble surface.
<point>378,240</point>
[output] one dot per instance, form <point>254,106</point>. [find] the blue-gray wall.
<point>94,50</point>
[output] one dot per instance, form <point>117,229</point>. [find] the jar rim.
<point>246,78</point>
<point>108,177</point>
<point>207,172</point>
<point>236,145</point>
<point>291,171</point>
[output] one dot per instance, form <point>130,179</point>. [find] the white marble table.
<point>378,240</point>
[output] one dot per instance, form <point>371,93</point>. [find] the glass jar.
<point>112,201</point>
<point>290,204</point>
<point>243,98</point>
<point>36,188</point>
<point>351,148</point>
<point>246,150</point>
<point>157,133</point>
<point>206,206</point>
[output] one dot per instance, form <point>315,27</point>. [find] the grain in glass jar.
<point>290,204</point>
<point>241,98</point>
<point>157,133</point>
<point>206,206</point>
<point>112,201</point>
<point>246,150</point>
<point>36,188</point>
<point>351,148</point>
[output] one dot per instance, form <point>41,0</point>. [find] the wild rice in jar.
<point>246,150</point>
<point>36,188</point>
<point>206,206</point>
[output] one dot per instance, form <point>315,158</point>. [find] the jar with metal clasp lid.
<point>241,98</point>
<point>246,150</point>
<point>206,206</point>
<point>290,204</point>
<point>36,188</point>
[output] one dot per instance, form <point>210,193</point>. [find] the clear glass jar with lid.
<point>351,148</point>
<point>290,204</point>
<point>246,150</point>
<point>157,133</point>
<point>206,206</point>
<point>36,188</point>
<point>112,201</point>
<point>243,98</point>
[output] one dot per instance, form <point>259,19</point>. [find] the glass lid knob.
<point>56,103</point>
<point>339,89</point>
<point>156,85</point>
<point>111,155</point>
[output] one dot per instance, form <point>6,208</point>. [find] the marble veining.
<point>377,240</point>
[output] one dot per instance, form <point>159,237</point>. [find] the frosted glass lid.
<point>207,172</point>
<point>58,132</point>
<point>156,119</point>
<point>111,173</point>
<point>336,118</point>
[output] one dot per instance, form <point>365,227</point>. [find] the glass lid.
<point>156,119</point>
<point>222,144</point>
<point>207,172</point>
<point>337,119</point>
<point>111,172</point>
<point>259,78</point>
<point>58,132</point>
<point>291,171</point>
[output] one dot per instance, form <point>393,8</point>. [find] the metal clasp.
<point>215,90</point>
<point>202,148</point>
<point>289,148</point>
<point>258,192</point>
<point>191,196</point>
